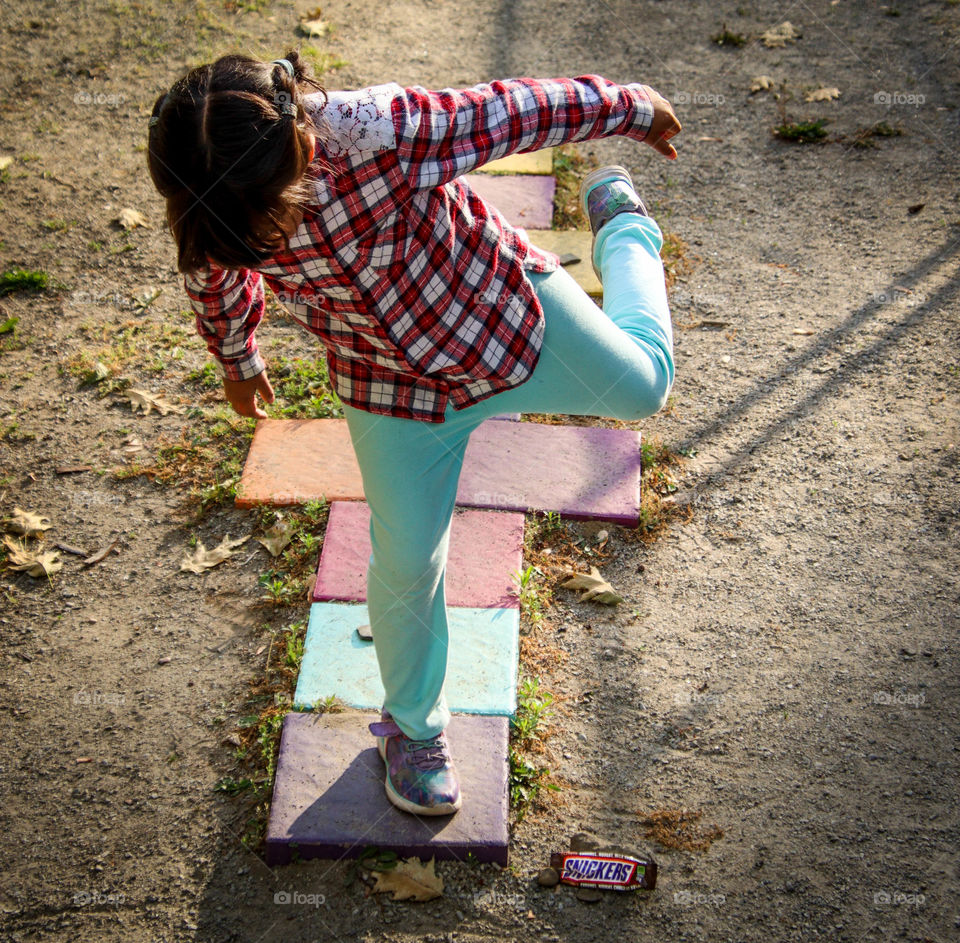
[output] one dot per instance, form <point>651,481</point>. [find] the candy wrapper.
<point>604,870</point>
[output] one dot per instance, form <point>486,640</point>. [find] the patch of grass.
<point>527,731</point>
<point>727,37</point>
<point>865,137</point>
<point>303,390</point>
<point>679,828</point>
<point>569,168</point>
<point>532,595</point>
<point>804,132</point>
<point>285,582</point>
<point>18,279</point>
<point>674,253</point>
<point>56,225</point>
<point>321,61</point>
<point>206,377</point>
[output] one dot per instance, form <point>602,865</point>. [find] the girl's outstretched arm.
<point>441,135</point>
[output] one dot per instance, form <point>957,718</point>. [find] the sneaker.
<point>605,193</point>
<point>420,773</point>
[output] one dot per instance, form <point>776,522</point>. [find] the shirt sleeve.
<point>441,135</point>
<point>229,304</point>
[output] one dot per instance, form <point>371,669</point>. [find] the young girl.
<point>435,312</point>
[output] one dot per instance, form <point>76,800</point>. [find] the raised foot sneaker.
<point>420,774</point>
<point>605,193</point>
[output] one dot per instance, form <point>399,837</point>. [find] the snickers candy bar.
<point>604,869</point>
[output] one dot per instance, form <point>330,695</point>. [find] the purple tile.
<point>486,548</point>
<point>584,472</point>
<point>525,200</point>
<point>329,800</point>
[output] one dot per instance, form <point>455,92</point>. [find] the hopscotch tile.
<point>533,162</point>
<point>576,242</point>
<point>481,659</point>
<point>329,799</point>
<point>584,472</point>
<point>486,548</point>
<point>524,200</point>
<point>284,467</point>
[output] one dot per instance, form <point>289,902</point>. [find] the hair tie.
<point>288,108</point>
<point>155,119</point>
<point>287,65</point>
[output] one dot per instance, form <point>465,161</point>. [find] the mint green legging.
<point>616,362</point>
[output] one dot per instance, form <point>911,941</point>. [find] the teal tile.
<point>481,660</point>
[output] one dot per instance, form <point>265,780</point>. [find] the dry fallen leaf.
<point>130,447</point>
<point>131,218</point>
<point>28,523</point>
<point>278,536</point>
<point>314,28</point>
<point>410,880</point>
<point>142,399</point>
<point>202,559</point>
<point>595,586</point>
<point>822,94</point>
<point>762,83</point>
<point>780,35</point>
<point>22,560</point>
<point>804,331</point>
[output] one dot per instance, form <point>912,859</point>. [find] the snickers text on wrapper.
<point>595,869</point>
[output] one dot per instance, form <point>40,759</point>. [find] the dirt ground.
<point>785,662</point>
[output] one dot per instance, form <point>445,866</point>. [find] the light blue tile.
<point>481,661</point>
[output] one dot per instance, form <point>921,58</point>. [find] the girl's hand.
<point>663,127</point>
<point>241,394</point>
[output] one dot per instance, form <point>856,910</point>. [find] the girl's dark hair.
<point>229,161</point>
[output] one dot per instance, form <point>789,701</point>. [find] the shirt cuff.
<point>244,368</point>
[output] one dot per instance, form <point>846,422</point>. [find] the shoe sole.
<point>445,809</point>
<point>609,172</point>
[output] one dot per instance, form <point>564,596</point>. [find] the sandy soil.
<point>785,662</point>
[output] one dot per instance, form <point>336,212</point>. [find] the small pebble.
<point>548,877</point>
<point>589,895</point>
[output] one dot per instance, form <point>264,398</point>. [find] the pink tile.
<point>486,547</point>
<point>525,200</point>
<point>584,472</point>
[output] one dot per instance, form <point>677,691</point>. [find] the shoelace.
<point>427,754</point>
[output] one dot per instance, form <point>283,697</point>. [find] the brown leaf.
<point>822,95</point>
<point>142,399</point>
<point>22,560</point>
<point>410,880</point>
<point>595,586</point>
<point>203,559</point>
<point>28,523</point>
<point>278,536</point>
<point>131,218</point>
<point>780,35</point>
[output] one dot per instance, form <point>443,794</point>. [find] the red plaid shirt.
<point>414,284</point>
